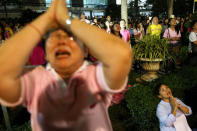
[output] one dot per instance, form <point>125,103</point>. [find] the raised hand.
<point>173,103</point>
<point>169,92</point>
<point>57,12</point>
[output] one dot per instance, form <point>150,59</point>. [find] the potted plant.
<point>150,51</point>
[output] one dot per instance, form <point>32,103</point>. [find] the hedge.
<point>138,110</point>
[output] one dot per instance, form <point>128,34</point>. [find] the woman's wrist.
<point>43,23</point>
<point>49,22</point>
<point>62,21</point>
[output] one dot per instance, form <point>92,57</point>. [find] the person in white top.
<point>193,34</point>
<point>84,19</point>
<point>193,44</point>
<point>171,111</point>
<point>108,24</point>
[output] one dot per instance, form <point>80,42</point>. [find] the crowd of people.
<point>71,93</point>
<point>173,29</point>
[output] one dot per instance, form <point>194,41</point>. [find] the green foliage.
<point>141,101</point>
<point>151,47</point>
<point>181,7</point>
<point>113,10</point>
<point>193,18</point>
<point>24,127</point>
<point>183,54</point>
<point>142,105</point>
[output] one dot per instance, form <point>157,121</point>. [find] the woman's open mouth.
<point>62,53</point>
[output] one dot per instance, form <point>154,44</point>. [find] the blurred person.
<point>116,30</point>
<point>173,34</point>
<point>108,24</point>
<point>131,30</point>
<point>124,32</point>
<point>193,43</point>
<point>165,25</point>
<point>1,35</point>
<point>138,32</point>
<point>70,93</point>
<point>155,28</point>
<point>83,18</point>
<point>95,22</point>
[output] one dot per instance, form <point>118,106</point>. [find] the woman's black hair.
<point>157,88</point>
<point>112,30</point>
<point>154,17</point>
<point>176,27</point>
<point>124,21</point>
<point>193,23</point>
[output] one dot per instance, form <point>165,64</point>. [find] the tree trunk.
<point>124,13</point>
<point>170,8</point>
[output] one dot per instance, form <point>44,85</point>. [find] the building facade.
<point>91,8</point>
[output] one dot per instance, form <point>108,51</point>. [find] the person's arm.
<point>163,116</point>
<point>174,105</point>
<point>114,53</point>
<point>178,37</point>
<point>195,42</point>
<point>184,108</point>
<point>193,37</point>
<point>15,53</point>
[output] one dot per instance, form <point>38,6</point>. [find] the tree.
<point>134,7</point>
<point>124,13</point>
<point>180,7</point>
<point>170,7</point>
<point>113,10</point>
<point>159,7</point>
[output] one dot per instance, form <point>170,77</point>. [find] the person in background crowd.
<point>108,24</point>
<point>131,30</point>
<point>155,28</point>
<point>8,31</point>
<point>165,25</point>
<point>37,56</point>
<point>1,35</point>
<point>173,34</point>
<point>130,27</point>
<point>123,31</point>
<point>178,20</point>
<point>193,42</point>
<point>116,30</point>
<point>95,22</point>
<point>171,111</point>
<point>138,32</point>
<point>83,19</point>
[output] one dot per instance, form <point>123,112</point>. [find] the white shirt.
<point>166,118</point>
<point>193,36</point>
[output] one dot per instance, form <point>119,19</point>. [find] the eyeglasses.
<point>61,36</point>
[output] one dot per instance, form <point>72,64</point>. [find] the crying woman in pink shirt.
<point>70,94</point>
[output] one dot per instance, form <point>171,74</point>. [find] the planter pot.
<point>151,66</point>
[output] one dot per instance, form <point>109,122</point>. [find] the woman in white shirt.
<point>171,111</point>
<point>193,41</point>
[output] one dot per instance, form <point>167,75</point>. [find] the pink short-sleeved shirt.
<point>57,106</point>
<point>125,34</point>
<point>169,33</point>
